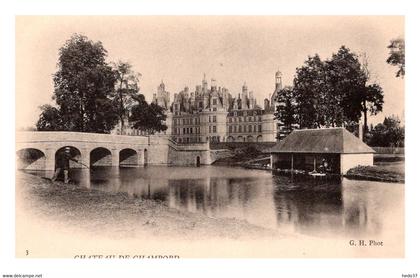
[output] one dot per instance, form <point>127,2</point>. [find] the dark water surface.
<point>324,208</point>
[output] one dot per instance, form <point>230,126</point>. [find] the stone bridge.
<point>39,150</point>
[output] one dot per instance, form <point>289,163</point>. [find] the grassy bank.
<point>241,156</point>
<point>376,173</point>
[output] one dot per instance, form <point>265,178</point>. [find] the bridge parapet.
<point>66,136</point>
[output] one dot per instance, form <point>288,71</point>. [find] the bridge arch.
<point>100,156</point>
<point>259,138</point>
<point>128,157</point>
<point>31,159</point>
<point>74,153</point>
<point>230,139</point>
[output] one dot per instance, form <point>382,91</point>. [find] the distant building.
<point>213,114</point>
<point>336,150</point>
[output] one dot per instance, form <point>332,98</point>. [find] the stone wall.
<point>191,154</point>
<point>349,161</point>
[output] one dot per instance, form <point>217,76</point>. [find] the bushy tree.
<point>83,85</point>
<point>50,119</point>
<point>147,117</point>
<point>125,88</point>
<point>286,108</point>
<point>390,133</point>
<point>308,91</point>
<point>397,56</point>
<point>330,93</point>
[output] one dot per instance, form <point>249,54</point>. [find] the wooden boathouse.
<point>326,150</point>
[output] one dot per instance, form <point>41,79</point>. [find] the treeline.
<point>330,93</point>
<point>92,95</point>
<point>389,133</point>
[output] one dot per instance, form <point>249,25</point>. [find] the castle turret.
<point>213,85</point>
<point>278,80</point>
<point>204,83</point>
<point>278,87</point>
<point>244,96</point>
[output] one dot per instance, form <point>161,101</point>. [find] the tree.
<point>333,92</point>
<point>83,85</point>
<point>372,102</point>
<point>50,119</point>
<point>286,108</point>
<point>390,133</point>
<point>372,96</point>
<point>126,88</point>
<point>346,81</point>
<point>309,90</point>
<point>397,55</point>
<point>147,117</point>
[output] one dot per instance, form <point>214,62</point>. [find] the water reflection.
<point>311,207</point>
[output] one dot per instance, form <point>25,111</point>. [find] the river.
<point>339,208</point>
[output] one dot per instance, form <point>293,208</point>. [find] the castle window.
<point>209,129</point>
<point>234,128</point>
<point>240,128</point>
<point>214,101</point>
<point>214,128</point>
<point>230,120</point>
<point>230,129</point>
<point>255,128</point>
<point>214,119</point>
<point>214,109</point>
<point>259,128</point>
<point>209,119</point>
<point>240,119</point>
<point>250,128</point>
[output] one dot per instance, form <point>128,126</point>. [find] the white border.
<point>207,268</point>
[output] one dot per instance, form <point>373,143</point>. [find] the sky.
<point>180,49</point>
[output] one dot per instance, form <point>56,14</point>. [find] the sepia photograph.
<point>210,136</point>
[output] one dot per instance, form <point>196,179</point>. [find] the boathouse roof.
<point>324,140</point>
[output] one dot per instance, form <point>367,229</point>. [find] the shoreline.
<point>122,215</point>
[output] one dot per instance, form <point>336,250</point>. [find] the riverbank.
<point>385,173</point>
<point>387,167</point>
<point>119,215</point>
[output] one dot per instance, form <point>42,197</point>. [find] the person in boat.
<point>63,165</point>
<point>324,167</point>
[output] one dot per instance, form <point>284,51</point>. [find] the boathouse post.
<point>314,163</point>
<point>292,162</point>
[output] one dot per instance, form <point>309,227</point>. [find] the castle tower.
<point>278,87</point>
<point>204,83</point>
<point>213,85</point>
<point>278,80</point>
<point>244,96</point>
